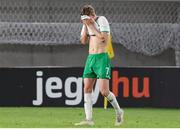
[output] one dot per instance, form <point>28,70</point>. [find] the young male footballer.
<point>96,31</point>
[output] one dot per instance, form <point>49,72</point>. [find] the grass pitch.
<point>66,117</point>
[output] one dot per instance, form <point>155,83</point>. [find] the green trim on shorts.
<point>98,66</point>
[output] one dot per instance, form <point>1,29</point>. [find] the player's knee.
<point>104,93</point>
<point>87,89</point>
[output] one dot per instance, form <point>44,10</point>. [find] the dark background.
<point>18,86</point>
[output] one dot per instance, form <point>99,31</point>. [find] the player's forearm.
<point>96,32</point>
<point>84,39</point>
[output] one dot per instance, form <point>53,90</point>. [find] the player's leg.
<point>103,71</point>
<point>89,80</point>
<point>104,89</point>
<point>88,102</point>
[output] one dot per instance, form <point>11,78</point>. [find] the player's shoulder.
<point>102,18</point>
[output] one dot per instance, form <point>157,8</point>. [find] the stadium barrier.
<point>62,86</point>
<point>143,26</point>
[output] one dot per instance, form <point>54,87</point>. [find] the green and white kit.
<point>98,66</point>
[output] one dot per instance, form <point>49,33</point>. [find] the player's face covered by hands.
<point>87,20</point>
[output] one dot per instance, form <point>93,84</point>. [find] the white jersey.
<point>101,25</point>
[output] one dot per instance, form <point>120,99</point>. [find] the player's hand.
<point>88,22</point>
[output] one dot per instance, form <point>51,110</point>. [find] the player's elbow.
<point>102,37</point>
<point>83,40</point>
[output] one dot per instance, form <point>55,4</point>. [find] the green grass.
<point>66,117</point>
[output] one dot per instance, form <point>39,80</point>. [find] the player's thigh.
<point>88,84</point>
<point>104,86</point>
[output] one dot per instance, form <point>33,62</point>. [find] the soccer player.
<point>96,31</point>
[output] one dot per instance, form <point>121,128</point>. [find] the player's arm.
<point>102,35</point>
<point>84,37</point>
<point>104,28</point>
